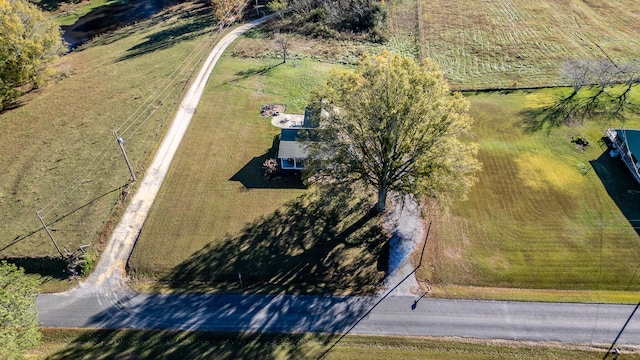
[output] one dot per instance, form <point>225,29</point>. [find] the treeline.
<point>30,42</point>
<point>333,18</point>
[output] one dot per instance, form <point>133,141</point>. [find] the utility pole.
<point>124,153</point>
<point>49,233</point>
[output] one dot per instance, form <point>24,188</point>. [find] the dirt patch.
<point>272,109</point>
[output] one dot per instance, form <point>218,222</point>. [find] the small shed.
<point>626,143</point>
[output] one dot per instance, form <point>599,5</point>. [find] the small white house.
<point>291,153</point>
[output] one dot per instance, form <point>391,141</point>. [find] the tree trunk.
<point>381,206</point>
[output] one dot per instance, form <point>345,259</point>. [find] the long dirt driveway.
<point>110,273</point>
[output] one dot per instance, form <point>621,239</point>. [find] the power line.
<point>187,66</point>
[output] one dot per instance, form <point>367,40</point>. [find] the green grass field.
<point>521,43</point>
<point>216,215</point>
<point>540,217</point>
<point>544,214</point>
<point>59,154</point>
<point>87,344</point>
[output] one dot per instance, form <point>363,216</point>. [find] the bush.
<point>336,19</point>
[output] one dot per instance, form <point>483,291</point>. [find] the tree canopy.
<point>30,41</point>
<point>394,126</point>
<point>18,316</point>
<point>228,12</point>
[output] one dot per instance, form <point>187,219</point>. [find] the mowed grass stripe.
<point>521,43</point>
<point>540,216</point>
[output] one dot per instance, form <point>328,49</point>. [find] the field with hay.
<point>521,43</point>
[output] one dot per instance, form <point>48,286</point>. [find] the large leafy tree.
<point>30,41</point>
<point>394,126</point>
<point>18,316</point>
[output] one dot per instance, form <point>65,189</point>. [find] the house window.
<point>288,163</point>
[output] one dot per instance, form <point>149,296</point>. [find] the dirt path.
<point>405,224</point>
<point>109,276</point>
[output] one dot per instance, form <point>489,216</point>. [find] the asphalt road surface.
<point>596,324</point>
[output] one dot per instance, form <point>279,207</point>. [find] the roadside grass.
<point>543,295</point>
<point>545,213</point>
<point>521,43</point>
<point>85,344</point>
<point>216,216</point>
<point>59,152</point>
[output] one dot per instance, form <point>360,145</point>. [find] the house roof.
<point>632,138</point>
<point>289,145</point>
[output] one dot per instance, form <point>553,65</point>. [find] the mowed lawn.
<point>85,344</point>
<point>544,214</point>
<point>217,219</point>
<point>58,149</point>
<point>521,43</point>
<point>540,216</point>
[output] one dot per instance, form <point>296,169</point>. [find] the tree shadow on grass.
<point>162,344</point>
<point>118,21</point>
<point>561,112</point>
<point>52,5</point>
<point>620,185</point>
<point>169,37</point>
<point>54,267</point>
<point>251,175</point>
<point>246,74</point>
<point>322,242</point>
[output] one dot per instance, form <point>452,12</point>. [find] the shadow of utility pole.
<point>384,297</point>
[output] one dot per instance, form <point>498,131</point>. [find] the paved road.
<point>393,315</point>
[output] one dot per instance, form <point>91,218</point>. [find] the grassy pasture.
<point>58,150</point>
<point>216,216</point>
<point>86,344</point>
<point>544,214</point>
<point>521,43</point>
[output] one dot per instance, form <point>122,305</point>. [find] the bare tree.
<point>600,89</point>
<point>282,40</point>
